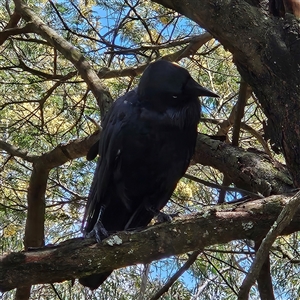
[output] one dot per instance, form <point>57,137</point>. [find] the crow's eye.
<point>175,97</point>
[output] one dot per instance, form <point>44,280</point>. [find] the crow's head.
<point>163,79</point>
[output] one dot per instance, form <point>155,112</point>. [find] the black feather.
<point>147,142</point>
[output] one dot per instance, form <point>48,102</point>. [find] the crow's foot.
<point>162,217</point>
<point>99,232</point>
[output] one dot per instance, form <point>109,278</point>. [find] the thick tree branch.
<point>249,171</point>
<point>253,172</point>
<point>34,230</point>
<point>78,257</point>
<point>59,155</point>
<point>266,52</point>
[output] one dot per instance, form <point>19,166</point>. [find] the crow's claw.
<point>162,217</point>
<point>99,232</point>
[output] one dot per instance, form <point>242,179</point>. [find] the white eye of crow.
<point>174,97</point>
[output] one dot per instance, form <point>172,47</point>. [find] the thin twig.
<point>144,281</point>
<point>220,274</point>
<point>221,187</point>
<point>244,94</point>
<point>170,282</point>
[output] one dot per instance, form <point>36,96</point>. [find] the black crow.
<point>148,139</point>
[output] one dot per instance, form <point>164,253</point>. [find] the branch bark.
<point>34,230</point>
<point>80,257</point>
<point>254,172</point>
<point>265,50</point>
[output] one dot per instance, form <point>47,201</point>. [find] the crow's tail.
<point>95,280</point>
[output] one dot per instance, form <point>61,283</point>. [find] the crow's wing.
<point>108,147</point>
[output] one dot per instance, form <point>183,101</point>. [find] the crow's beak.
<point>195,88</point>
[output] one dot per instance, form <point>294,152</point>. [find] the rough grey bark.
<point>252,171</point>
<point>78,257</point>
<point>266,51</point>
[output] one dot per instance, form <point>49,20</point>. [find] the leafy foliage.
<point>44,103</point>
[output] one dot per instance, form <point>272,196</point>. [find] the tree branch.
<point>244,126</point>
<point>192,258</point>
<point>194,44</point>
<point>264,279</point>
<point>265,53</point>
<point>14,151</point>
<point>254,172</point>
<point>244,95</point>
<point>282,221</point>
<point>10,29</point>
<point>66,152</point>
<point>80,257</point>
